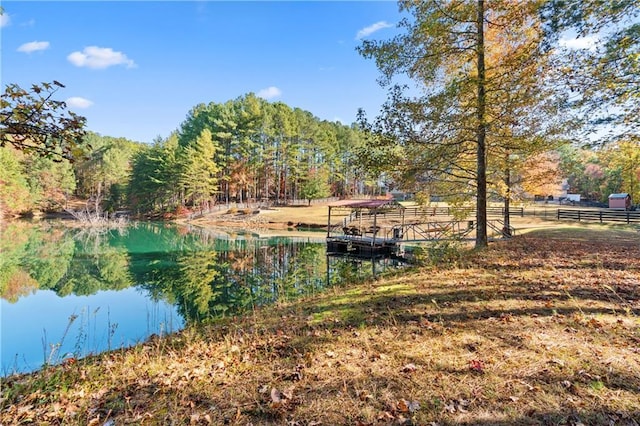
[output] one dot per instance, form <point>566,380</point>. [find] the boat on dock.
<point>362,246</point>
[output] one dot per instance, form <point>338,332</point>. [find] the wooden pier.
<point>359,234</point>
<point>377,228</point>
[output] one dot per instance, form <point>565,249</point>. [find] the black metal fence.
<point>602,216</point>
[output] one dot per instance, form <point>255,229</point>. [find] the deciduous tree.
<point>14,190</point>
<point>624,157</point>
<point>315,185</point>
<point>477,70</point>
<point>32,121</point>
<point>604,72</point>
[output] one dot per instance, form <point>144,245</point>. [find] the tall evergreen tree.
<point>199,170</point>
<point>154,184</point>
<point>451,135</point>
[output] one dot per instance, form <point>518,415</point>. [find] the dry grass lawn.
<point>543,329</point>
<point>316,214</point>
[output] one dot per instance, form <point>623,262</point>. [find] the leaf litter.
<point>546,326</point>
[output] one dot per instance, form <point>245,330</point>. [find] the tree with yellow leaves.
<point>484,106</point>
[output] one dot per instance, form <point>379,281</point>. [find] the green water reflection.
<point>201,274</point>
<point>204,273</point>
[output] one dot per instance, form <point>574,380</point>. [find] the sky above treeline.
<point>135,68</point>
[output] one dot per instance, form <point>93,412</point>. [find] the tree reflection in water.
<point>206,273</point>
<point>135,281</point>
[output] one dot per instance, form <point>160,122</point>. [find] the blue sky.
<point>136,68</point>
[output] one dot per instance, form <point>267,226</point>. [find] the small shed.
<point>620,201</point>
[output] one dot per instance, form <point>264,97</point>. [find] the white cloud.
<point>99,57</point>
<point>269,93</point>
<point>78,102</point>
<point>372,29</point>
<point>579,43</point>
<point>4,19</point>
<point>33,46</point>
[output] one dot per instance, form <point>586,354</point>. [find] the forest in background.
<point>250,150</point>
<point>243,150</point>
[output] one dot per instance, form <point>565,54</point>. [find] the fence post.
<point>558,214</point>
<point>600,213</point>
<point>579,215</point>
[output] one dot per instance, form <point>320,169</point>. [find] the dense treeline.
<point>596,173</point>
<point>119,174</point>
<point>243,150</point>
<point>30,183</point>
<point>33,183</point>
<point>250,150</point>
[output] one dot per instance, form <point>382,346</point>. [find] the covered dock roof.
<point>356,209</point>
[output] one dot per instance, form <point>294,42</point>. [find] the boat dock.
<point>378,228</point>
<point>359,234</point>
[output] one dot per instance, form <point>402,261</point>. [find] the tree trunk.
<point>506,230</point>
<point>481,179</point>
<point>98,197</point>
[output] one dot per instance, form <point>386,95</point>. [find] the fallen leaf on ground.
<point>476,365</point>
<point>276,397</point>
<point>364,396</point>
<point>409,368</point>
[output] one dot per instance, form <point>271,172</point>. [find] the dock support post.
<point>375,227</point>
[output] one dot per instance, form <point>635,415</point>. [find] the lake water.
<point>70,292</point>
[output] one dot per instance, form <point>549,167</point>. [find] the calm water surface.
<point>71,293</point>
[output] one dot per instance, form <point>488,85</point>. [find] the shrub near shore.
<point>540,329</point>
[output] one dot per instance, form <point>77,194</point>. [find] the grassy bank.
<point>275,218</point>
<point>541,329</point>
